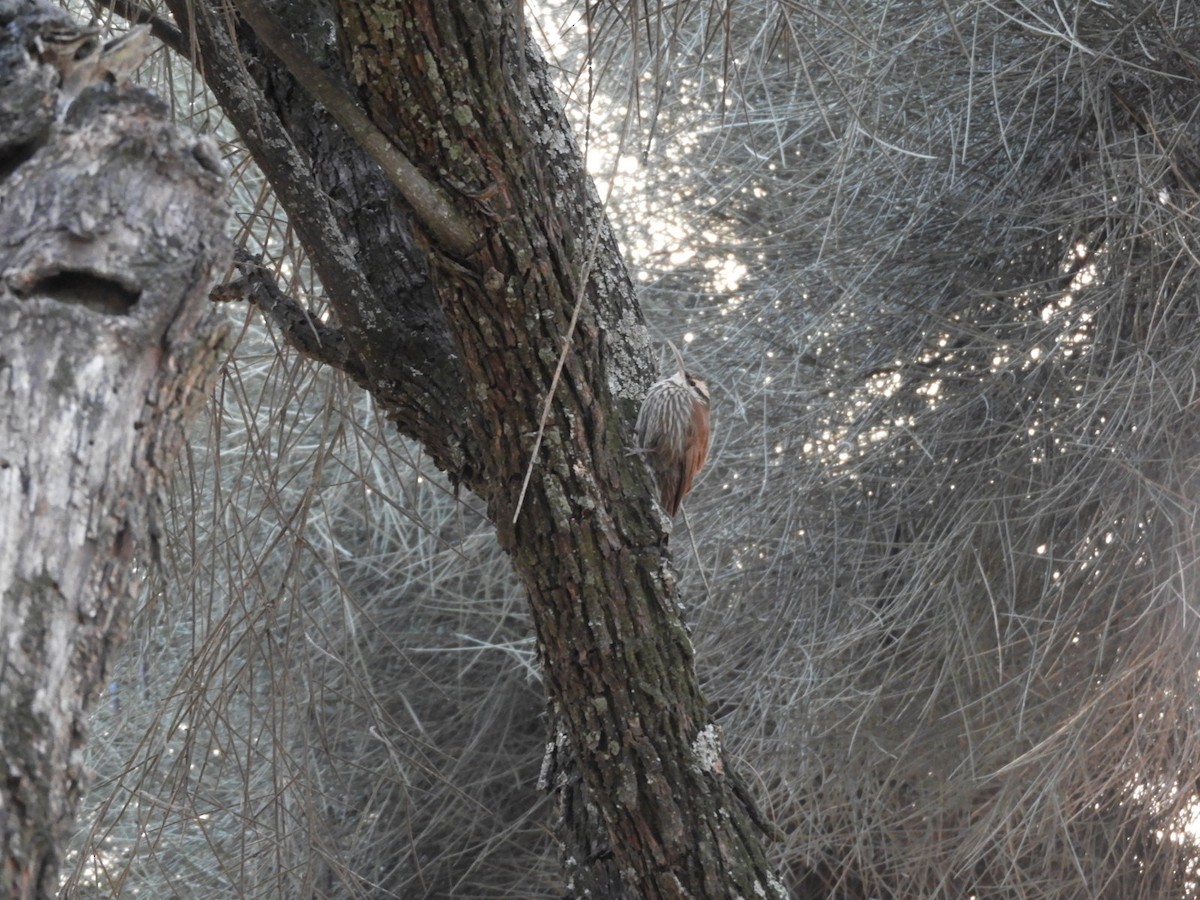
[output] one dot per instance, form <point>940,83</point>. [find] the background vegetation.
<point>939,264</point>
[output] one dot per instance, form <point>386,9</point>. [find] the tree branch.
<point>278,156</point>
<point>428,202</point>
<point>312,338</point>
<point>391,334</point>
<point>160,28</point>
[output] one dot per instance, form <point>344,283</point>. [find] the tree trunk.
<point>545,271</point>
<point>460,88</point>
<point>112,231</point>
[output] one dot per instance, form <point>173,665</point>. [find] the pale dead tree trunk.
<point>460,258</point>
<point>111,232</point>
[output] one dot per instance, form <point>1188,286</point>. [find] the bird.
<point>84,58</point>
<point>673,432</point>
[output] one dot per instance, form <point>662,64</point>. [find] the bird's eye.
<point>86,49</point>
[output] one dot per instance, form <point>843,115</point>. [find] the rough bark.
<point>461,87</point>
<point>463,353</point>
<point>111,232</point>
<point>346,217</point>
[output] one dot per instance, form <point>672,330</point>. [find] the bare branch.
<point>430,204</point>
<point>313,338</point>
<point>160,28</point>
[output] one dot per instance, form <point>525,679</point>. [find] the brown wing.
<point>695,451</point>
<point>670,486</point>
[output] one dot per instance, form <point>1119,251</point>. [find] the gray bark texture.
<point>111,233</point>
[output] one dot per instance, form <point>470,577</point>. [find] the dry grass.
<point>941,265</point>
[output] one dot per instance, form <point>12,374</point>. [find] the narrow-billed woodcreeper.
<point>673,431</point>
